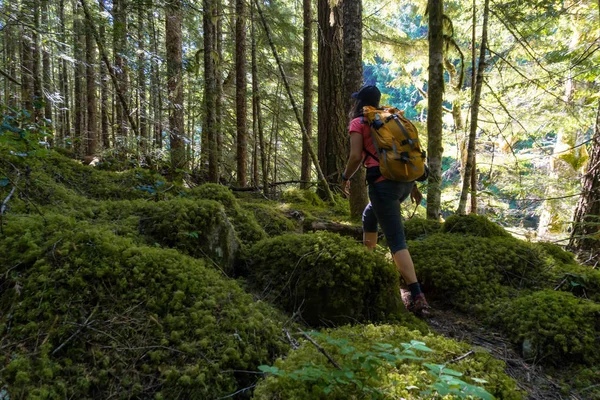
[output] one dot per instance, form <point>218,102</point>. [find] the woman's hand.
<point>415,195</point>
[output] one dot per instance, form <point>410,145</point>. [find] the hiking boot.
<point>418,304</point>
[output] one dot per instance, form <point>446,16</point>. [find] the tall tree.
<point>141,90</point>
<point>307,115</point>
<point>332,119</point>
<point>36,62</point>
<point>259,141</point>
<point>209,129</point>
<point>217,146</point>
<point>79,94</point>
<point>474,114</point>
<point>104,125</point>
<point>241,92</point>
<point>92,119</point>
<point>46,68</point>
<point>173,34</point>
<point>120,67</point>
<point>434,107</point>
<point>353,78</point>
<point>65,115</point>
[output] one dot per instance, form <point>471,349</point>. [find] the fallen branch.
<point>457,359</point>
<point>5,202</point>
<point>321,349</point>
<point>355,232</point>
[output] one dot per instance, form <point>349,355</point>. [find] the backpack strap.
<point>403,129</point>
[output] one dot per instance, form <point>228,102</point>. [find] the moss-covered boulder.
<point>87,314</point>
<point>325,278</point>
<point>473,225</point>
<point>419,228</point>
<point>474,272</point>
<point>274,221</point>
<point>553,326</point>
<point>247,228</point>
<point>370,369</point>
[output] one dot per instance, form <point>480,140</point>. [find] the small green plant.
<point>363,370</point>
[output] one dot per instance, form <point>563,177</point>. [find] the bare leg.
<point>370,239</point>
<point>405,266</point>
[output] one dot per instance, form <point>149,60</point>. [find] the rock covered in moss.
<point>474,272</point>
<point>325,278</point>
<point>404,379</point>
<point>299,196</point>
<point>272,220</point>
<point>473,225</point>
<point>554,326</point>
<point>87,314</point>
<point>248,229</point>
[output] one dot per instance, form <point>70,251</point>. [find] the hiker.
<point>385,195</point>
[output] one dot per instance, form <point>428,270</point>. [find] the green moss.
<point>325,278</point>
<point>554,326</point>
<point>419,228</point>
<point>396,380</point>
<point>473,225</point>
<point>557,253</point>
<point>272,220</point>
<point>247,228</point>
<point>87,314</point>
<point>298,196</point>
<point>473,273</point>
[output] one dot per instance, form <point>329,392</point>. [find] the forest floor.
<point>531,377</point>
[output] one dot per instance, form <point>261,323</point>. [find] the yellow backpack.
<point>397,144</point>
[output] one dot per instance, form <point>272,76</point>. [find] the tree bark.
<point>474,114</point>
<point>307,115</point>
<point>104,126</point>
<point>46,68</point>
<point>156,88</point>
<point>332,119</point>
<point>92,119</point>
<point>353,78</point>
<point>143,113</point>
<point>210,91</point>
<point>79,130</point>
<point>218,145</point>
<point>474,83</point>
<point>241,92</point>
<point>434,108</point>
<point>120,68</point>
<point>65,128</point>
<point>36,59</point>
<point>173,41</point>
<point>258,123</point>
<point>26,64</point>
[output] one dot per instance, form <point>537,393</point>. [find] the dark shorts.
<point>384,209</point>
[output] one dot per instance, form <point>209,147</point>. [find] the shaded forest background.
<point>197,90</point>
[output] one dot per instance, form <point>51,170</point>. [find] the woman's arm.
<point>355,158</point>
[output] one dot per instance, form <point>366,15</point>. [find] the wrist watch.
<point>344,177</point>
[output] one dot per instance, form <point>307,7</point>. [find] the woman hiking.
<point>385,196</point>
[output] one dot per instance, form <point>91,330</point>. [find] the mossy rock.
<point>473,225</point>
<point>299,196</point>
<point>273,221</point>
<point>87,314</point>
<point>552,327</point>
<point>325,278</point>
<point>246,226</point>
<point>399,379</point>
<point>473,273</point>
<point>419,228</point>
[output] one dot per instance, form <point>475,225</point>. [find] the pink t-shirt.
<point>356,125</point>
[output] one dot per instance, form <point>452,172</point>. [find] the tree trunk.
<point>143,120</point>
<point>307,116</point>
<point>474,115</point>
<point>434,108</point>
<point>353,79</point>
<point>26,68</point>
<point>173,18</point>
<point>585,236</point>
<point>473,84</point>
<point>120,67</point>
<point>47,80</point>
<point>11,92</point>
<point>258,112</point>
<point>218,145</point>
<point>92,119</point>
<point>65,115</point>
<point>241,90</point>
<point>37,73</point>
<point>104,92</point>
<point>210,91</point>
<point>79,135</point>
<point>156,88</point>
<point>332,119</point>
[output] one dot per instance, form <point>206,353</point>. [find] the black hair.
<point>357,108</point>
